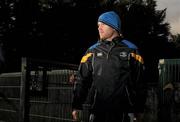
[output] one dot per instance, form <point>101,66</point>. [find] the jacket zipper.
<point>110,50</point>
<point>94,99</point>
<point>128,95</point>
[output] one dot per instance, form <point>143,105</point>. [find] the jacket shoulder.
<point>94,46</point>
<point>129,44</point>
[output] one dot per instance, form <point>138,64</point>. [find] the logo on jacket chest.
<point>99,54</point>
<point>123,54</point>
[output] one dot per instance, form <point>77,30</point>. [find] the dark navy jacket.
<point>108,75</point>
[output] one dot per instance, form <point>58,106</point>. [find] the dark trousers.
<point>109,116</point>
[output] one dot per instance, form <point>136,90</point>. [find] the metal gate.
<point>41,92</point>
<point>169,78</point>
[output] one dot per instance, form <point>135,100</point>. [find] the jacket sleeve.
<point>139,84</point>
<point>83,81</point>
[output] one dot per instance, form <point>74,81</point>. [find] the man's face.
<point>105,32</point>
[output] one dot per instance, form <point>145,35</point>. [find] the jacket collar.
<point>116,40</point>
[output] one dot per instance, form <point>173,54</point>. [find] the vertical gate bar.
<point>23,116</point>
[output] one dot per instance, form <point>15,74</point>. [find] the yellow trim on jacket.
<point>137,57</point>
<point>85,58</point>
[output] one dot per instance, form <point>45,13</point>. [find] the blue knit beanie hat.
<point>112,19</point>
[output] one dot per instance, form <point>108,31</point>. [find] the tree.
<point>175,41</point>
<point>7,25</point>
<point>44,24</point>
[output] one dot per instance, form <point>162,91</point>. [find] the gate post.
<point>23,106</point>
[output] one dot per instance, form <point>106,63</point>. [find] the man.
<point>108,75</point>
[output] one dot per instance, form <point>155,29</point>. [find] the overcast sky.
<point>172,13</point>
